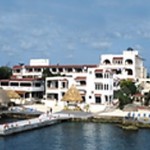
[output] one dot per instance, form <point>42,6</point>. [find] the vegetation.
<point>5,72</point>
<point>48,73</point>
<point>126,92</point>
<point>147,99</point>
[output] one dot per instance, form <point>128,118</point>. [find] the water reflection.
<point>78,136</point>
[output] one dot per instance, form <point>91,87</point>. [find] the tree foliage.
<point>127,90</point>
<point>48,73</point>
<point>128,87</point>
<point>147,99</point>
<point>5,72</point>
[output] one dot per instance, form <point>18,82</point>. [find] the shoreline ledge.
<point>119,121</point>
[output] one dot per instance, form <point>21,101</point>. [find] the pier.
<point>30,124</point>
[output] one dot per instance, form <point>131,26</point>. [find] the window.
<point>14,84</point>
<point>82,82</point>
<point>106,98</point>
<point>69,69</point>
<point>106,86</point>
<point>60,70</point>
<point>30,69</point>
<point>64,84</point>
<point>98,86</point>
<point>98,99</point>
<point>63,93</point>
<point>37,69</point>
<point>98,75</point>
<point>4,83</point>
<point>78,70</point>
<point>83,98</point>
<point>53,69</point>
<point>106,75</point>
<point>37,84</point>
<point>25,84</point>
<point>18,70</point>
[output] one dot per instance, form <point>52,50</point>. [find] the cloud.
<point>103,45</point>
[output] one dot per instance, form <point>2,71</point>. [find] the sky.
<point>72,31</point>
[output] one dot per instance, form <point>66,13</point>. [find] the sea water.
<point>78,136</point>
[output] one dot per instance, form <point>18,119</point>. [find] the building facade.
<point>128,65</point>
<point>27,88</point>
<point>95,86</point>
<point>96,83</point>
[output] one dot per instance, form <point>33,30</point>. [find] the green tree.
<point>5,72</point>
<point>129,86</point>
<point>46,73</point>
<point>127,90</point>
<point>147,99</point>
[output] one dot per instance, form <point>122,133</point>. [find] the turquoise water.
<point>78,136</point>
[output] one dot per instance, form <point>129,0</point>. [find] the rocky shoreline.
<point>119,121</point>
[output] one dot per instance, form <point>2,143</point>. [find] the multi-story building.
<point>128,65</point>
<point>95,82</point>
<point>35,70</point>
<point>95,86</point>
<point>27,88</point>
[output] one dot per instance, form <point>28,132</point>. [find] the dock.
<point>30,124</point>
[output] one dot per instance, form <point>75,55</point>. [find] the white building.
<point>26,88</point>
<point>95,82</point>
<point>128,65</point>
<point>95,86</point>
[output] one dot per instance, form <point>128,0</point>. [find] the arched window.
<point>106,61</point>
<point>129,62</point>
<point>129,71</point>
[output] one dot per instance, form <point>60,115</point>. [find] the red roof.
<point>80,78</point>
<point>97,94</point>
<point>54,66</point>
<point>99,70</point>
<point>22,79</point>
<point>118,58</point>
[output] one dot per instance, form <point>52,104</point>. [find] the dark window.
<point>4,83</point>
<point>98,75</point>
<point>37,84</point>
<point>14,84</point>
<point>98,99</point>
<point>25,84</point>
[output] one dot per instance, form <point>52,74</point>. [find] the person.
<point>51,110</point>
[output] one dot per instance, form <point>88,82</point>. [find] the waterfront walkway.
<point>44,119</point>
<point>29,124</point>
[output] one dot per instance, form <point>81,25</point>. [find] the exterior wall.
<point>29,90</point>
<point>128,56</point>
<point>85,83</point>
<point>94,89</point>
<point>92,92</point>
